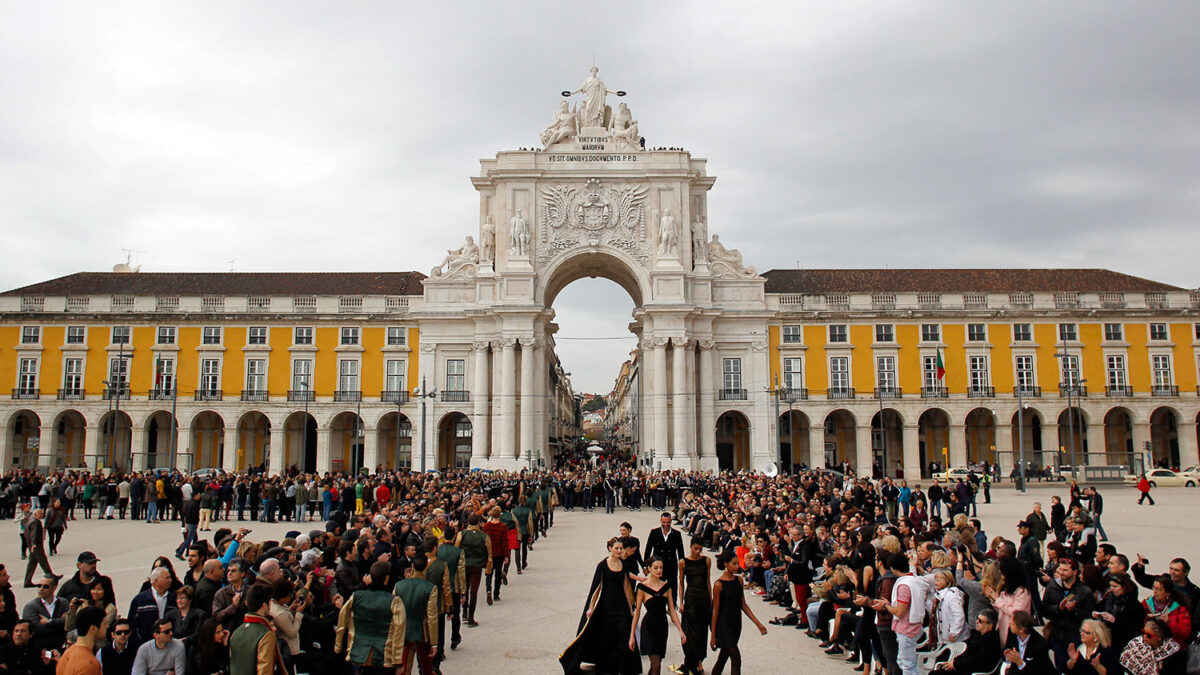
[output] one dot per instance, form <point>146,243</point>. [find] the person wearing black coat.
<point>1058,518</point>
<point>1034,657</point>
<point>802,556</point>
<point>983,651</point>
<point>667,544</point>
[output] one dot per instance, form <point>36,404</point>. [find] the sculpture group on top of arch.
<point>593,116</point>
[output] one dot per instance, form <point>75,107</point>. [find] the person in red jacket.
<point>1170,606</point>
<point>1143,486</point>
<point>498,533</point>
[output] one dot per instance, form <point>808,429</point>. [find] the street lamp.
<point>1071,385</point>
<point>423,394</point>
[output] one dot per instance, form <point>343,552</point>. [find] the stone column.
<point>46,449</point>
<point>1189,452</point>
<point>137,445</point>
<point>91,445</point>
<point>480,431</point>
<point>1004,445</point>
<point>912,452</point>
<point>525,447</point>
<point>324,459</point>
<point>657,395</point>
<point>958,446</point>
<point>275,449</point>
<point>1141,436</point>
<point>508,399</point>
<point>541,404</point>
<point>1096,454</point>
<point>679,399</point>
<point>370,441</point>
<point>229,454</point>
<point>864,457</point>
<point>708,416</point>
<point>1049,446</point>
<point>816,445</point>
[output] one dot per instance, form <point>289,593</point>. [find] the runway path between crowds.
<point>536,618</point>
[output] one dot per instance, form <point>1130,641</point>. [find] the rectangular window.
<point>76,335</point>
<point>1196,330</point>
<point>73,375</point>
<point>929,376</point>
<point>1022,332</point>
<point>348,375</point>
<point>1158,331</point>
<point>838,333</point>
<point>394,375</point>
<point>210,335</point>
<point>397,336</point>
<point>166,335</point>
<point>1026,379</point>
<point>1116,371</point>
<point>256,375</point>
<point>120,335</point>
<point>27,377</point>
<point>1070,370</point>
<point>349,335</point>
<point>303,335</point>
<point>791,335</point>
<point>257,335</point>
<point>302,374</point>
<point>793,376</point>
<point>1160,365</point>
<point>164,375</point>
<point>977,332</point>
<point>1067,332</point>
<point>1113,331</point>
<point>118,374</point>
<point>732,374</point>
<point>839,373</point>
<point>31,335</point>
<point>210,376</point>
<point>931,332</point>
<point>885,370</point>
<point>456,375</point>
<point>978,372</point>
<point>885,332</point>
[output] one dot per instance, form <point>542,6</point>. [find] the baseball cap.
<point>87,557</point>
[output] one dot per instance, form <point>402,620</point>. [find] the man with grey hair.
<point>270,570</point>
<point>151,605</point>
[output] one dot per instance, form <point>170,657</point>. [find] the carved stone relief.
<point>593,215</point>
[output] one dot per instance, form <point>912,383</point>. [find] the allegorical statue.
<point>455,260</point>
<point>727,261</point>
<point>699,241</point>
<point>487,241</point>
<point>518,234</point>
<point>668,240</point>
<point>594,108</point>
<point>624,128</point>
<point>564,127</point>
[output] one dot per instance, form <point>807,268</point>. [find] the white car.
<point>1165,478</point>
<point>956,473</point>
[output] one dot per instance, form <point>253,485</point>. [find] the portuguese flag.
<point>941,366</point>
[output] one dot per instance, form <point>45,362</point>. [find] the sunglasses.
<point>120,632</point>
<point>1148,634</point>
<point>45,586</point>
<point>166,631</point>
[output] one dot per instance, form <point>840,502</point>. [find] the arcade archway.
<point>733,442</point>
<point>454,442</point>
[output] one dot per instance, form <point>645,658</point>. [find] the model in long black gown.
<point>654,622</point>
<point>729,615</point>
<point>697,613</point>
<point>603,638</point>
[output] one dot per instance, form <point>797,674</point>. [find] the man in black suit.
<point>666,544</point>
<point>1026,649</point>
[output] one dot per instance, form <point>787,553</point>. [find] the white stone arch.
<point>609,263</point>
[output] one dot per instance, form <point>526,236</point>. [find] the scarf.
<point>279,666</point>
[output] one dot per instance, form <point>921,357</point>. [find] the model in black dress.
<point>729,603</point>
<point>655,596</point>
<point>697,606</point>
<point>604,627</point>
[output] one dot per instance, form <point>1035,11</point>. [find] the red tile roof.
<point>229,283</point>
<point>958,281</point>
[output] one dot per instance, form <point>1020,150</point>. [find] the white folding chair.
<point>928,661</point>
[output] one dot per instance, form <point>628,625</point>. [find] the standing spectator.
<point>477,555</point>
<point>209,584</point>
<point>163,655</point>
<point>1169,606</point>
<point>56,524</point>
<point>254,647</point>
<point>420,609</point>
<point>497,533</point>
<point>1058,518</point>
<point>116,657</point>
<point>22,656</point>
<point>191,521</point>
<point>150,606</point>
<point>184,616</point>
<point>1143,486</point>
<point>137,496</point>
<point>907,607</point>
<point>1096,508</point>
<point>1120,610</point>
<point>229,604</point>
<point>1066,603</point>
<point>87,573</point>
<point>123,497</point>
<point>210,650</point>
<point>935,495</point>
<point>48,615</point>
<point>79,659</point>
<point>371,625</point>
<point>1178,570</point>
<point>208,501</point>
<point>35,542</point>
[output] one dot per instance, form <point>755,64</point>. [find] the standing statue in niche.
<point>699,241</point>
<point>564,127</point>
<point>487,249</point>
<point>518,234</point>
<point>458,259</point>
<point>594,110</point>
<point>668,239</point>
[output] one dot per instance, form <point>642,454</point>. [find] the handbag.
<point>1193,658</point>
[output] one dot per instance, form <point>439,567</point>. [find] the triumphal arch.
<point>594,201</point>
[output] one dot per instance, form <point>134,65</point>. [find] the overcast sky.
<point>341,136</point>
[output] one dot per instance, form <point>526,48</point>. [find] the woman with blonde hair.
<point>951,618</point>
<point>1095,654</point>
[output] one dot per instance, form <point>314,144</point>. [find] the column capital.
<point>657,342</point>
<point>507,343</point>
<point>706,345</point>
<point>481,345</point>
<point>530,343</point>
<point>682,343</point>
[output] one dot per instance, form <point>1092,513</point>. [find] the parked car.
<point>207,473</point>
<point>1165,478</point>
<point>957,472</point>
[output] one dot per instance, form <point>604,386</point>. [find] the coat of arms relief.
<point>593,215</point>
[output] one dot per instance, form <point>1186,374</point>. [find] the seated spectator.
<point>1095,654</point>
<point>1150,652</point>
<point>1026,649</point>
<point>983,648</point>
<point>163,654</point>
<point>1167,604</point>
